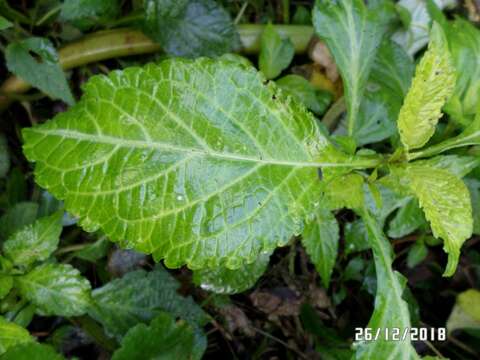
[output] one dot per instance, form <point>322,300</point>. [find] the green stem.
<point>116,43</point>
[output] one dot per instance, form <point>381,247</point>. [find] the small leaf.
<point>11,334</point>
<point>138,297</point>
<point>43,73</point>
<point>225,281</point>
<point>432,85</point>
<point>134,152</point>
<point>353,33</point>
<point>416,254</point>
<point>34,242</point>
<point>466,312</point>
<point>163,339</point>
<point>4,23</point>
<point>275,53</point>
<point>300,88</point>
<point>56,289</point>
<point>32,351</point>
<point>87,13</point>
<point>344,191</point>
<point>17,217</point>
<point>446,202</point>
<point>474,188</point>
<point>4,157</point>
<point>6,284</point>
<point>190,28</point>
<point>408,219</point>
<point>320,239</point>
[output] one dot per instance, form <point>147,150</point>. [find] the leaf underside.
<point>197,162</point>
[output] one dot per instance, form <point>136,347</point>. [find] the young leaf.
<point>190,28</point>
<point>320,239</point>
<point>43,73</point>
<point>56,289</point>
<point>466,312</point>
<point>87,13</point>
<point>446,202</point>
<point>353,32</point>
<point>11,334</point>
<point>138,297</point>
<point>132,157</point>
<point>32,351</point>
<point>35,242</point>
<point>390,308</point>
<point>4,157</point>
<point>6,284</point>
<point>163,339</point>
<point>275,53</point>
<point>432,85</point>
<point>222,280</point>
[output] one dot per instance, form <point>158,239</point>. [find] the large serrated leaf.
<point>446,202</point>
<point>432,85</point>
<point>163,339</point>
<point>197,162</point>
<point>353,32</point>
<point>56,289</point>
<point>137,298</point>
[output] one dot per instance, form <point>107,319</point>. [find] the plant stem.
<point>116,43</point>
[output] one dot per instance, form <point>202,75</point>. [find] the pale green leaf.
<point>320,239</point>
<point>131,158</point>
<point>391,310</point>
<point>56,289</point>
<point>222,280</point>
<point>466,312</point>
<point>4,156</point>
<point>87,13</point>
<point>11,334</point>
<point>276,53</point>
<point>18,216</point>
<point>432,85</point>
<point>34,242</point>
<point>190,28</point>
<point>446,202</point>
<point>137,298</point>
<point>345,191</point>
<point>4,23</point>
<point>32,351</point>
<point>353,32</point>
<point>44,74</point>
<point>455,164</point>
<point>6,284</point>
<point>162,339</point>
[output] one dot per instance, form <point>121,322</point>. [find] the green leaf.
<point>417,253</point>
<point>131,158</point>
<point>43,73</point>
<point>300,88</point>
<point>137,298</point>
<point>94,251</point>
<point>222,280</point>
<point>4,157</point>
<point>56,289</point>
<point>446,202</point>
<point>6,284</point>
<point>474,188</point>
<point>466,312</point>
<point>464,40</point>
<point>34,242</point>
<point>353,32</point>
<point>87,13</point>
<point>32,351</point>
<point>432,85</point>
<point>17,217</point>
<point>276,53</point>
<point>11,334</point>
<point>455,164</point>
<point>390,311</point>
<point>163,339</point>
<point>408,219</point>
<point>320,239</point>
<point>344,191</point>
<point>4,23</point>
<point>190,28</point>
